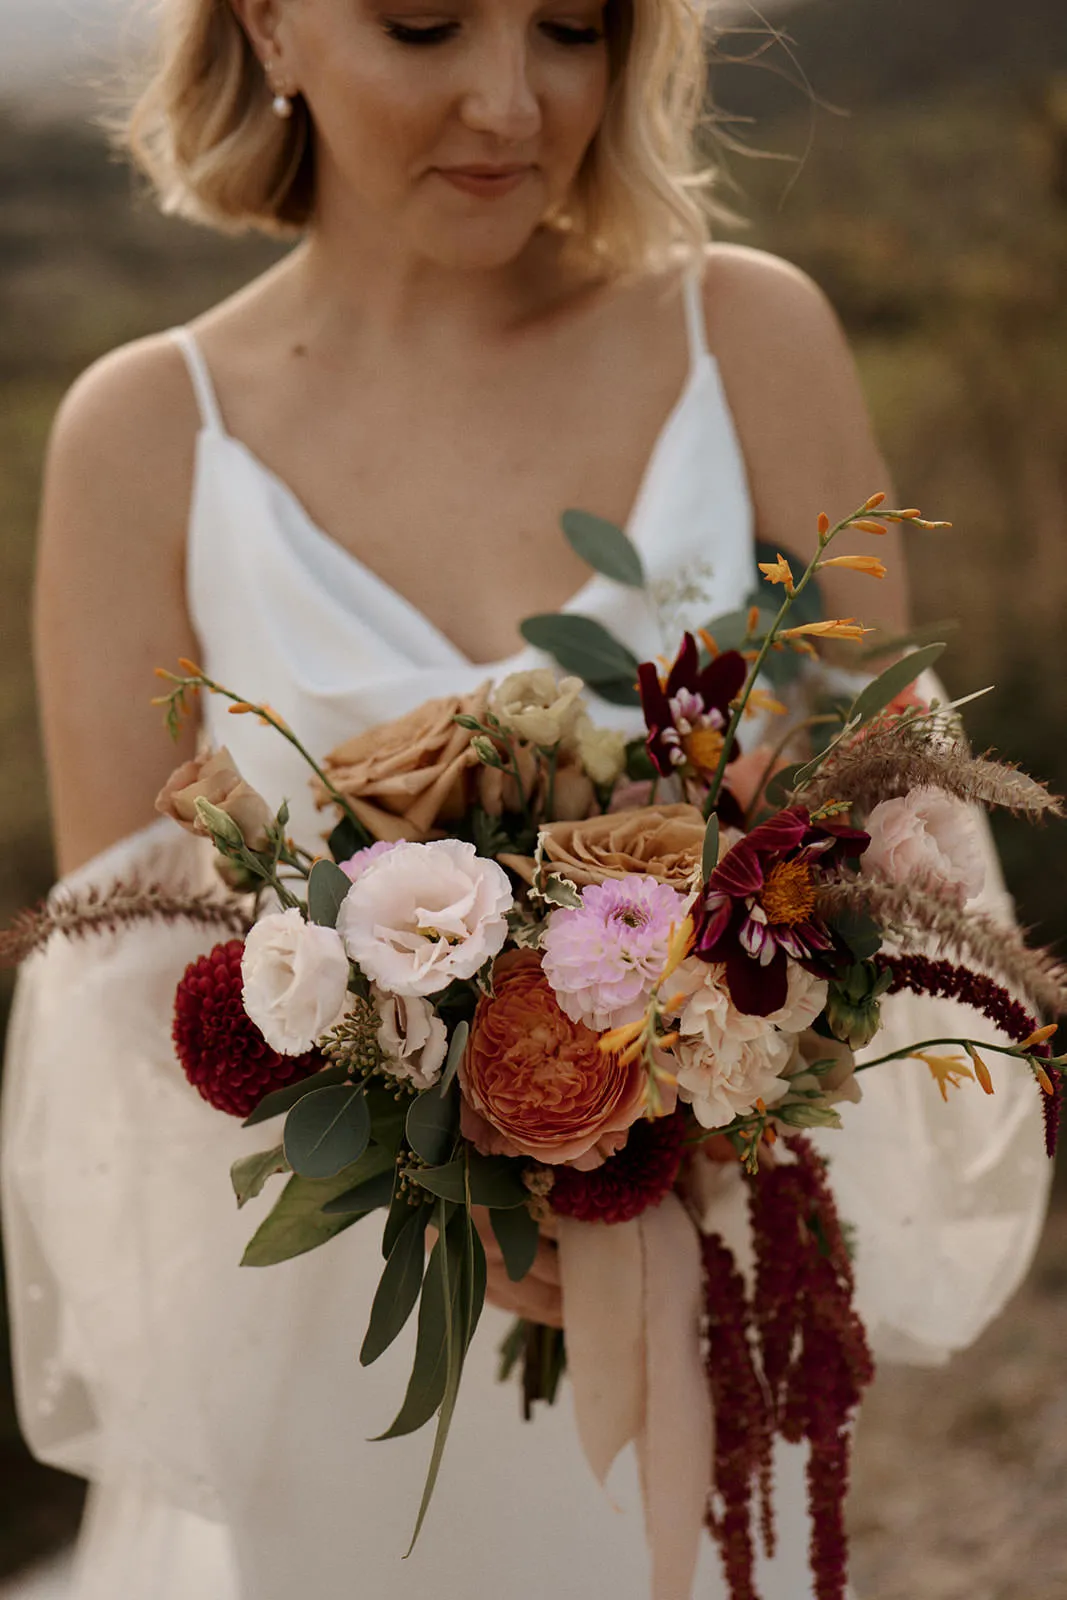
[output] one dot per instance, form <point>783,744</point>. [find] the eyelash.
<point>439,32</point>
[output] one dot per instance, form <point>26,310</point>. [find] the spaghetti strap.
<point>696,328</point>
<point>200,377</point>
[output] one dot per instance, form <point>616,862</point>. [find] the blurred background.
<point>912,156</point>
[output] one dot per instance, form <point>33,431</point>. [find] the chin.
<point>490,237</point>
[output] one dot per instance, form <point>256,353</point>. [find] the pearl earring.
<point>282,107</point>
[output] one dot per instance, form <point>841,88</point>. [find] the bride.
<point>340,491</point>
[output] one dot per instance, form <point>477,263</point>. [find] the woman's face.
<point>451,126</point>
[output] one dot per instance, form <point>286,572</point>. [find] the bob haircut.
<point>203,132</point>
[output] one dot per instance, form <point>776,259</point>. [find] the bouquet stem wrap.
<point>632,1297</point>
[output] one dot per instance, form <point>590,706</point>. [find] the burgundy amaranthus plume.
<point>628,1183</point>
<point>814,1350</point>
<point>743,1423</point>
<point>222,1052</point>
<point>922,975</point>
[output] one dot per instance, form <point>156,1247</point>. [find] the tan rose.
<point>534,707</point>
<point>662,842</point>
<point>402,778</point>
<point>214,777</point>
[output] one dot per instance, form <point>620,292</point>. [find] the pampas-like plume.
<point>77,915</point>
<point>903,910</point>
<point>894,755</point>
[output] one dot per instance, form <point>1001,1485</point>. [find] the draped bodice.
<point>285,614</point>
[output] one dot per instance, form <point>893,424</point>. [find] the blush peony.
<point>535,1083</point>
<point>423,914</point>
<point>927,834</point>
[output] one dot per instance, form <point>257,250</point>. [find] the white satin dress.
<point>221,1413</point>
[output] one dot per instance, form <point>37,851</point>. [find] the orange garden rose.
<point>536,1084</point>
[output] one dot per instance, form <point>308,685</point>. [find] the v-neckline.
<point>699,364</point>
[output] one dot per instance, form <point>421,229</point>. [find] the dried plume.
<point>77,915</point>
<point>894,755</point>
<point>918,908</point>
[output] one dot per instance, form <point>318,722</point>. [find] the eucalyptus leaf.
<point>860,933</point>
<point>398,1289</point>
<point>618,691</point>
<point>466,1257</point>
<point>781,784</point>
<point>581,646</point>
<point>731,630</point>
<point>387,1117</point>
<point>604,547</point>
<point>327,1131</point>
<point>892,644</point>
<point>432,1125</point>
<point>404,1205</point>
<point>250,1173</point>
<point>494,1181</point>
<point>282,1100</point>
<point>456,1047</point>
<point>345,840</point>
<point>896,678</point>
<point>298,1224</point>
<point>327,888</point>
<point>710,857</point>
<point>518,1236</point>
<point>365,1197</point>
<point>429,1373</point>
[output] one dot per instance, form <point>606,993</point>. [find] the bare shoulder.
<point>799,410</point>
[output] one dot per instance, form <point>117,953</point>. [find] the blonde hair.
<point>203,132</point>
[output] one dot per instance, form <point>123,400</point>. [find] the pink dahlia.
<point>603,957</point>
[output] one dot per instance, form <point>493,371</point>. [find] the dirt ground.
<point>961,1474</point>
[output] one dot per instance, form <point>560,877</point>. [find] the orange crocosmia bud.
<point>875,500</point>
<point>1038,1036</point>
<point>666,1041</point>
<point>753,618</point>
<point>709,644</point>
<point>865,525</point>
<point>190,668</point>
<point>840,628</point>
<point>981,1071</point>
<point>824,522</point>
<point>770,1135</point>
<point>1044,1080</point>
<point>242,708</point>
<point>870,565</point>
<point>760,700</point>
<point>620,1038</point>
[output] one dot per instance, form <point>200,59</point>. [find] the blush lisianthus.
<point>537,1084</point>
<point>603,957</point>
<point>222,1052</point>
<point>423,914</point>
<point>757,912</point>
<point>356,865</point>
<point>413,1038</point>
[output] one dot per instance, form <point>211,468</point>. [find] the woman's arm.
<point>803,423</point>
<point>109,603</point>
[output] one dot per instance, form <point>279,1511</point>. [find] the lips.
<point>485,182</point>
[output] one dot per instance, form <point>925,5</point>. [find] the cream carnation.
<point>805,998</point>
<point>926,834</point>
<point>602,751</point>
<point>424,914</point>
<point>413,1038</point>
<point>295,977</point>
<point>727,1060</point>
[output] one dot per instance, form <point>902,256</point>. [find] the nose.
<point>500,98</point>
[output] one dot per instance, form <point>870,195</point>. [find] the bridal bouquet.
<point>547,989</point>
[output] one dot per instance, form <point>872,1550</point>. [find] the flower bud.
<point>222,828</point>
<point>487,752</point>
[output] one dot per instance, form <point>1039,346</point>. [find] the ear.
<point>260,19</point>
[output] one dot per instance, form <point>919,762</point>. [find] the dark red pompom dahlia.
<point>222,1052</point>
<point>638,1177</point>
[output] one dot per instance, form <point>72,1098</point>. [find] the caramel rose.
<point>537,1084</point>
<point>214,777</point>
<point>402,778</point>
<point>661,842</point>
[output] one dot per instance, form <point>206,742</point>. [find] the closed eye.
<point>435,33</point>
<point>566,33</point>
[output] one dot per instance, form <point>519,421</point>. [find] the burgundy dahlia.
<point>687,713</point>
<point>758,907</point>
<point>222,1052</point>
<point>638,1177</point>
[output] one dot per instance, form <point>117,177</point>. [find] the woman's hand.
<point>537,1297</point>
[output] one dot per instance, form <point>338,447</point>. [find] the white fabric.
<point>222,1413</point>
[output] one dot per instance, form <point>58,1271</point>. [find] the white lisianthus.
<point>534,707</point>
<point>602,751</point>
<point>295,980</point>
<point>424,914</point>
<point>727,1060</point>
<point>413,1038</point>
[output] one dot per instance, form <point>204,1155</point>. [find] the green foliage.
<point>433,1124</point>
<point>494,1181</point>
<point>399,1286</point>
<point>327,888</point>
<point>250,1173</point>
<point>327,1131</point>
<point>518,1236</point>
<point>298,1224</point>
<point>282,1100</point>
<point>605,547</point>
<point>584,646</point>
